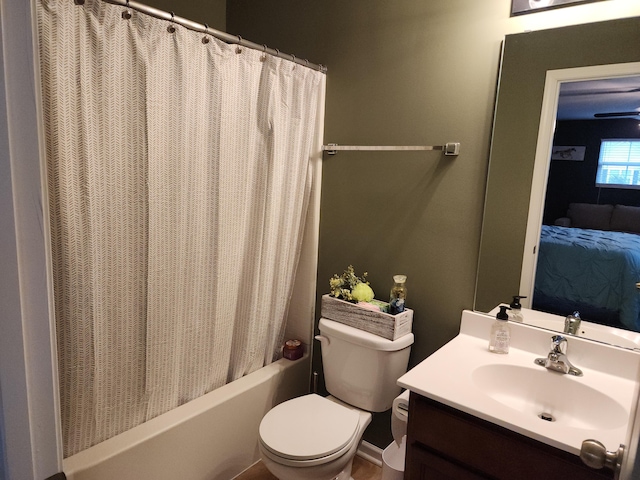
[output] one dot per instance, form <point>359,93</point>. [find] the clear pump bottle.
<point>515,314</point>
<point>500,336</point>
<point>398,295</point>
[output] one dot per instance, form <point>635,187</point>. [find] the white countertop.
<point>449,376</point>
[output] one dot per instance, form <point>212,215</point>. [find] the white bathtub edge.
<point>91,463</point>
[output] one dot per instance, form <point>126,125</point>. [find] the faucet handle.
<point>559,344</point>
<point>572,323</point>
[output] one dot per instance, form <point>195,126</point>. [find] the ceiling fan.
<point>616,114</point>
<point>600,99</point>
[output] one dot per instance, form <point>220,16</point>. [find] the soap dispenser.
<point>515,315</point>
<point>500,336</point>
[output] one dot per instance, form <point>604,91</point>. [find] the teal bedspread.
<point>592,267</point>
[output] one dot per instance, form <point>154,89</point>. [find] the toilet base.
<point>345,474</point>
<point>331,471</point>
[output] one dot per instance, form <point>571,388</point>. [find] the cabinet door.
<point>486,449</point>
<point>424,465</point>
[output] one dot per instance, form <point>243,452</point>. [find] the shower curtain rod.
<point>204,28</point>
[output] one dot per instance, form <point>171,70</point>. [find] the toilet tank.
<point>361,368</point>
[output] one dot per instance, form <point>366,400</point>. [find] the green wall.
<point>404,73</point>
<point>401,72</point>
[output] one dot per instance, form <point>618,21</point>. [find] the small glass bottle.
<point>398,295</point>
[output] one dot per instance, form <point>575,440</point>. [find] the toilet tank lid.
<point>360,337</point>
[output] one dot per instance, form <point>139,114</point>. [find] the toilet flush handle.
<point>322,339</point>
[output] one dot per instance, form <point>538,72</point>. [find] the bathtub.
<point>214,437</point>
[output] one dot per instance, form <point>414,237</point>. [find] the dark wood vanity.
<point>445,443</point>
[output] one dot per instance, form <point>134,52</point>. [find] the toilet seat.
<point>308,430</point>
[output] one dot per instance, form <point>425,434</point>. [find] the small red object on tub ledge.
<point>292,350</point>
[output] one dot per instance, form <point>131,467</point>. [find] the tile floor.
<point>362,470</point>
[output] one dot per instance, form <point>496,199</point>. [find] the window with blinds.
<point>619,164</point>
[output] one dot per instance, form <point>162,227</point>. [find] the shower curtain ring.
<point>277,52</point>
<point>127,13</point>
<point>171,28</point>
<point>263,57</point>
<point>205,39</point>
<point>239,48</point>
<point>293,59</point>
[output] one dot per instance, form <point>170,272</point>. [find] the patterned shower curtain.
<point>179,179</point>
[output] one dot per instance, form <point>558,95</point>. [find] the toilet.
<point>315,438</point>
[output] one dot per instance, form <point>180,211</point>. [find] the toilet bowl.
<point>315,438</point>
<point>311,438</point>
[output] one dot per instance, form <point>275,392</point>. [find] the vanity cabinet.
<point>445,443</point>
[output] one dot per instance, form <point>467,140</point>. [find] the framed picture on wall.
<point>522,7</point>
<point>568,153</point>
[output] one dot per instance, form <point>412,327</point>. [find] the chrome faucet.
<point>557,359</point>
<point>572,323</point>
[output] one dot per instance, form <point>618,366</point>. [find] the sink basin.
<point>550,396</point>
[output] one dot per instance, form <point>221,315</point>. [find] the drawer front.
<point>425,465</point>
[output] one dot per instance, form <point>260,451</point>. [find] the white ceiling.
<point>581,100</point>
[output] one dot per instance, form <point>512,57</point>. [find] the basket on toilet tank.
<point>383,324</point>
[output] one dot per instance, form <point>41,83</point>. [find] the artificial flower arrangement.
<point>355,289</point>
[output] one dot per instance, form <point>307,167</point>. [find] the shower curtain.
<point>179,178</point>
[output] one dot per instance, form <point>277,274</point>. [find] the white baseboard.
<point>370,452</point>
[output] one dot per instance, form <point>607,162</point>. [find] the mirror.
<point>582,246</point>
<point>527,58</point>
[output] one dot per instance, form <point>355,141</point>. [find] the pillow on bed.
<point>588,215</point>
<point>626,219</point>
